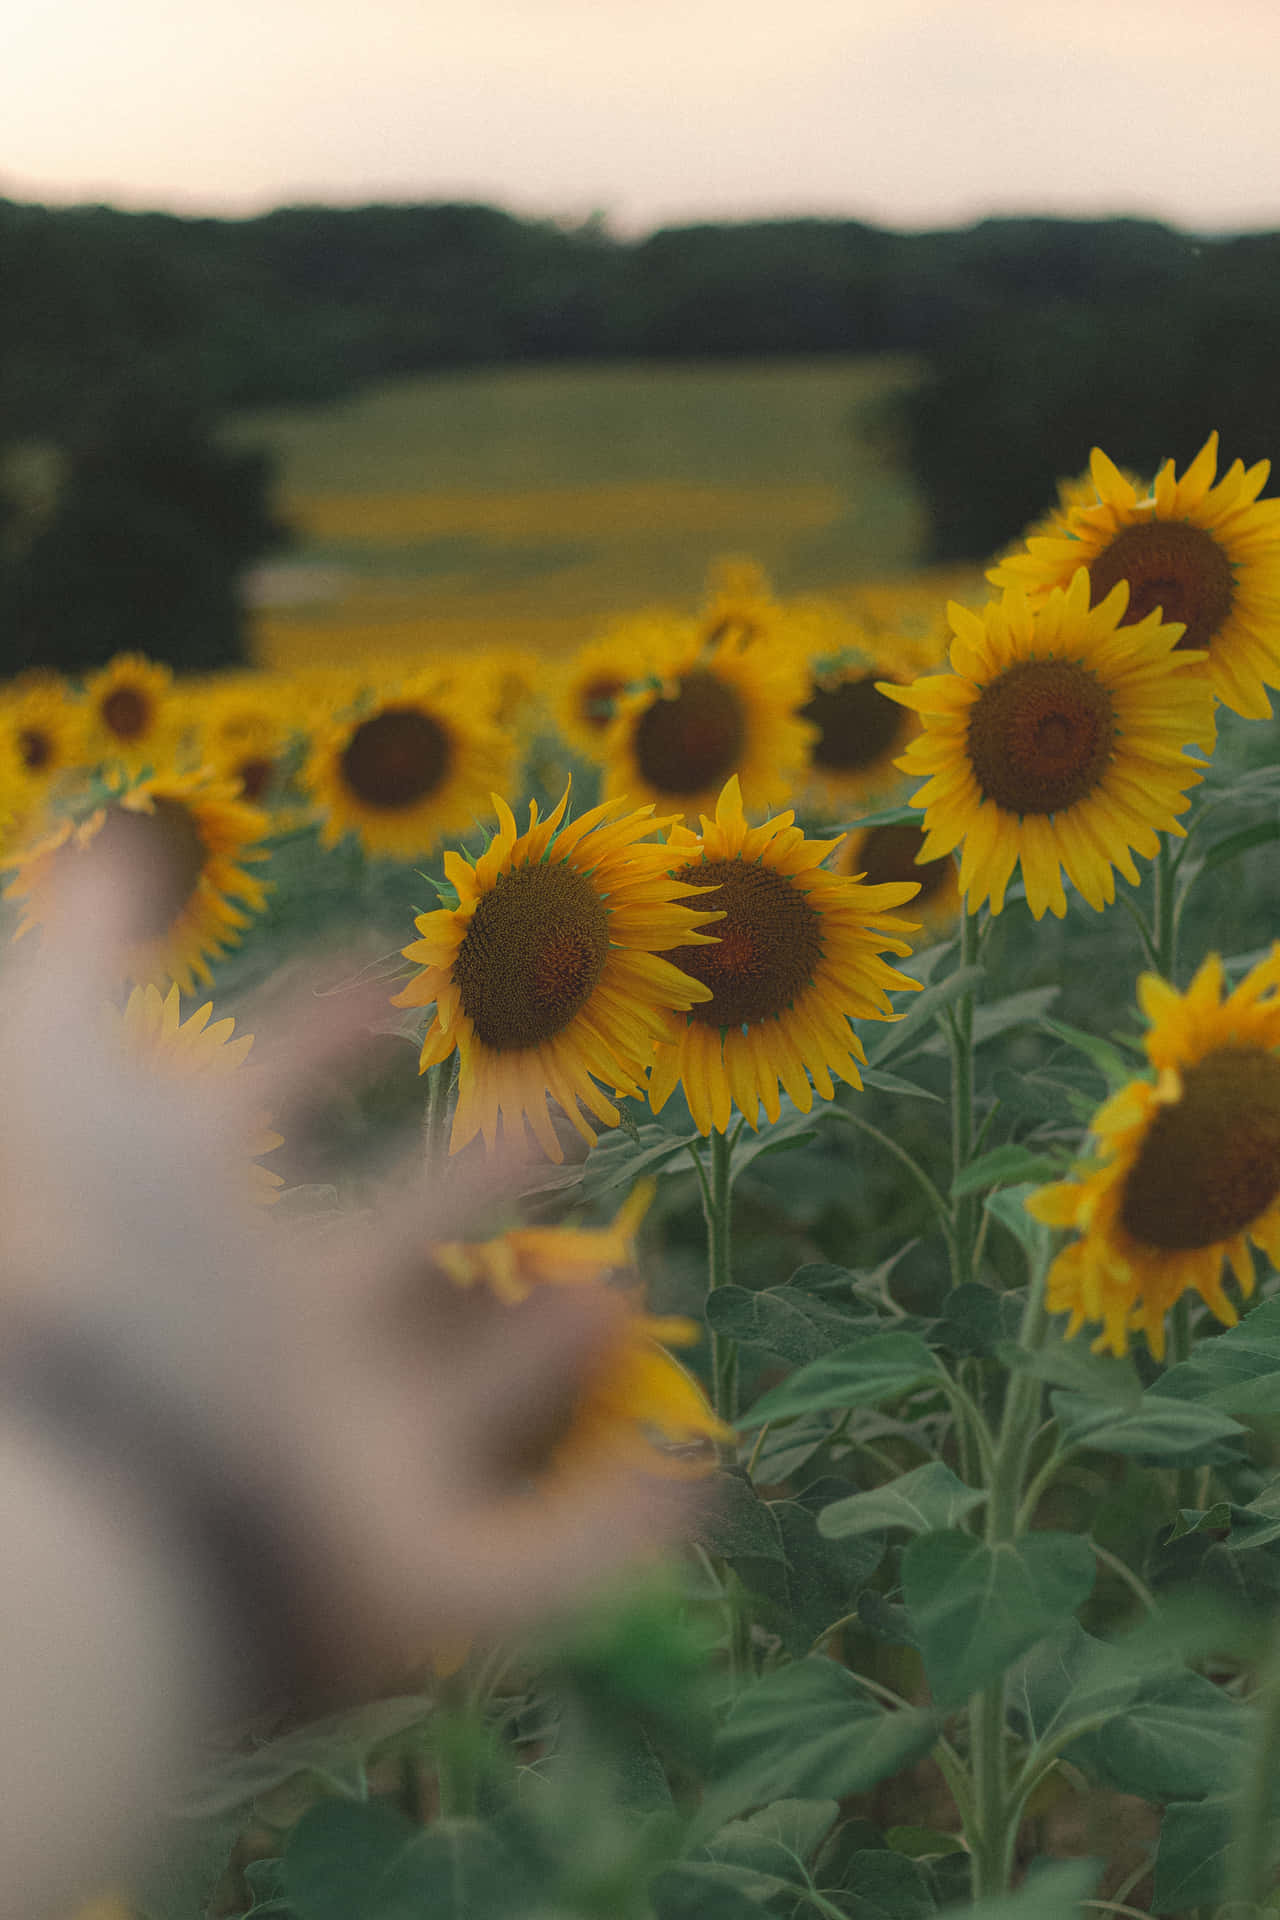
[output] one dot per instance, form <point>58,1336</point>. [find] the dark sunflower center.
<point>694,739</point>
<point>532,955</point>
<point>856,725</point>
<point>768,943</point>
<point>1211,1163</point>
<point>396,758</point>
<point>595,703</point>
<point>1040,736</point>
<point>126,712</point>
<point>889,853</point>
<point>166,849</point>
<point>1168,564</point>
<point>254,776</point>
<point>35,748</point>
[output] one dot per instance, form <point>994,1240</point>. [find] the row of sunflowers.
<point>871,797</point>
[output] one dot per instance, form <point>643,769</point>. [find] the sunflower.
<point>880,854</point>
<point>1057,739</point>
<point>637,1402</point>
<point>192,831</point>
<point>1187,1168</point>
<point>42,736</point>
<point>131,714</point>
<point>415,765</point>
<point>795,957</point>
<point>155,1034</point>
<point>243,729</point>
<point>740,601</point>
<point>727,704</point>
<point>546,975</point>
<point>1207,556</point>
<point>858,733</point>
<point>591,683</point>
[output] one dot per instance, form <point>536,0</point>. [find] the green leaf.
<point>1234,844</point>
<point>1068,1680</point>
<point>332,1752</point>
<point>1237,1371</point>
<point>910,1033</point>
<point>1215,1519</point>
<point>1111,1063</point>
<point>976,1608</point>
<point>785,1321</point>
<point>617,1163</point>
<point>1179,1737</point>
<point>972,1319</point>
<point>1160,1430</point>
<point>881,1367</point>
<point>1004,1165</point>
<point>807,1731</point>
<point>791,1129</point>
<point>1054,1893</point>
<point>699,1890</point>
<point>1009,1208</point>
<point>823,1577</point>
<point>886,817</point>
<point>894,1083</point>
<point>929,1499</point>
<point>1025,1008</point>
<point>737,1523</point>
<point>924,1843</point>
<point>349,1862</point>
<point>1071,1364</point>
<point>1191,1858</point>
<point>769,1848</point>
<point>888,1886</point>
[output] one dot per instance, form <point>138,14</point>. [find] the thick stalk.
<point>960,1039</point>
<point>1253,1839</point>
<point>995,1811</point>
<point>717,1207</point>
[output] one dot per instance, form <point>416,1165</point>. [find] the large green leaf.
<point>976,1608</point>
<point>699,1890</point>
<point>1068,1680</point>
<point>807,1731</point>
<point>1055,1893</point>
<point>1181,1737</point>
<point>1004,1166</point>
<point>1024,1008</point>
<point>899,1040</point>
<point>350,1862</point>
<point>618,1162</point>
<point>928,1499</point>
<point>1156,1429</point>
<point>332,1752</point>
<point>769,1849</point>
<point>1191,1858</point>
<point>784,1321</point>
<point>1237,1372</point>
<point>738,1524</point>
<point>1072,1364</point>
<point>881,1367</point>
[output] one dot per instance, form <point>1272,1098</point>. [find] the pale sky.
<point>906,112</point>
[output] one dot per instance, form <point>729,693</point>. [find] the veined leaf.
<point>928,1499</point>
<point>1154,1429</point>
<point>881,1367</point>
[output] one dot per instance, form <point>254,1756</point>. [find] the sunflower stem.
<point>717,1208</point>
<point>959,1032</point>
<point>435,1119</point>
<point>1164,932</point>
<point>1186,1483</point>
<point>1253,1839</point>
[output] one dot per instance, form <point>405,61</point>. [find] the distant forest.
<point>126,338</point>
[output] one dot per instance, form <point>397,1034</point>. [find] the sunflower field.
<point>886,997</point>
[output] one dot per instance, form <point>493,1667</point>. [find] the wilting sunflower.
<point>1057,740</point>
<point>1208,556</point>
<point>546,976</point>
<point>716,707</point>
<point>131,713</point>
<point>192,832</point>
<point>155,1033</point>
<point>858,733</point>
<point>1187,1168</point>
<point>879,855</point>
<point>794,959</point>
<point>415,765</point>
<point>637,1403</point>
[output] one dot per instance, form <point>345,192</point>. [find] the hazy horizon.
<point>929,113</point>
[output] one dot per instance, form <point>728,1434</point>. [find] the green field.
<point>528,504</point>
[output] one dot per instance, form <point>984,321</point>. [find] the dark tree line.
<point>125,338</point>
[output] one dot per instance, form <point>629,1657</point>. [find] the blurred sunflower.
<point>131,715</point>
<point>590,684</point>
<point>1187,1169</point>
<point>1207,556</point>
<point>417,764</point>
<point>1057,740</point>
<point>155,1034</point>
<point>243,731</point>
<point>546,976</point>
<point>637,1404</point>
<point>858,732</point>
<point>739,602</point>
<point>42,736</point>
<point>191,831</point>
<point>794,959</point>
<point>882,854</point>
<point>716,707</point>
